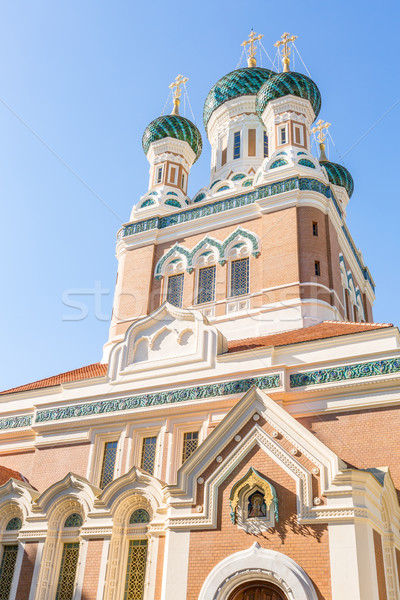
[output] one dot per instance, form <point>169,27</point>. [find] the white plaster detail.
<point>259,564</point>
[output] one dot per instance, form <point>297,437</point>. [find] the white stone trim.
<point>258,563</point>
<point>36,570</point>
<point>103,569</point>
<point>176,563</point>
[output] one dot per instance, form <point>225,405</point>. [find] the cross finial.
<point>286,38</point>
<point>176,87</point>
<point>251,52</point>
<point>321,128</point>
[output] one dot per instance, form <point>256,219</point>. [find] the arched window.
<point>206,285</point>
<point>73,520</point>
<point>14,524</point>
<point>239,280</point>
<point>175,289</point>
<point>139,516</point>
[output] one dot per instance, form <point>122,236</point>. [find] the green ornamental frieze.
<point>333,375</point>
<point>145,400</point>
<point>14,422</point>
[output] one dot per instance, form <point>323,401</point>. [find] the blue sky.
<point>79,82</point>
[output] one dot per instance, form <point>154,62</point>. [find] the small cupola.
<point>288,103</point>
<point>172,145</point>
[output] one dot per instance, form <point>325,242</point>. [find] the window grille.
<point>315,228</point>
<point>240,277</point>
<point>283,135</point>
<point>265,144</point>
<point>236,144</point>
<point>69,564</point>
<point>175,289</point>
<point>317,268</point>
<point>14,524</point>
<point>107,469</point>
<point>149,454</point>
<point>7,569</point>
<point>190,443</point>
<point>206,290</point>
<point>136,570</point>
<point>73,520</point>
<point>139,516</point>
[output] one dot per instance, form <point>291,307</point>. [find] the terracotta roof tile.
<point>6,474</point>
<point>88,372</point>
<point>326,329</point>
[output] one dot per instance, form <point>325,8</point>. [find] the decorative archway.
<point>258,566</point>
<point>257,590</point>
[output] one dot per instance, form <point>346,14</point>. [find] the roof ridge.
<point>370,323</point>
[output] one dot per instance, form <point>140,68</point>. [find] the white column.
<point>352,560</point>
<point>176,562</point>
<point>36,570</point>
<point>103,570</point>
<point>81,569</point>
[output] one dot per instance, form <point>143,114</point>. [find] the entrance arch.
<point>257,590</point>
<point>260,568</point>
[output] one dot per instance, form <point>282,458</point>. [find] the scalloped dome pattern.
<point>339,175</point>
<point>240,82</point>
<point>283,84</point>
<point>176,127</point>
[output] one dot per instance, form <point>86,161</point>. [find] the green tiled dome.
<point>283,84</point>
<point>237,83</point>
<point>173,126</point>
<point>339,175</point>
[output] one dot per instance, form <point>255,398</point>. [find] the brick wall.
<point>92,569</point>
<point>45,466</point>
<point>380,566</point>
<point>307,545</point>
<point>344,433</point>
<point>27,568</point>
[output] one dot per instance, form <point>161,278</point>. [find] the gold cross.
<point>176,87</point>
<point>253,37</point>
<point>286,38</point>
<point>322,128</point>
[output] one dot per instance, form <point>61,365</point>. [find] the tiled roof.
<point>94,370</point>
<point>326,329</point>
<point>6,474</point>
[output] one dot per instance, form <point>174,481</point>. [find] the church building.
<point>239,439</point>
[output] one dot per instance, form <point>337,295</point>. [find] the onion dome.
<point>288,83</point>
<point>241,82</point>
<point>176,127</point>
<point>338,175</point>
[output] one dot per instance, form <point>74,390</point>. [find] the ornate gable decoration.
<point>168,338</point>
<point>253,502</point>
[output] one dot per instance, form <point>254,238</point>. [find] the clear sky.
<point>79,82</point>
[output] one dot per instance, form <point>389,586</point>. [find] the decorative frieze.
<point>145,400</point>
<point>335,374</point>
<point>14,422</point>
<point>265,191</point>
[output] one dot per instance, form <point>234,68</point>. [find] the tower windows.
<point>251,142</point>
<point>7,567</point>
<point>159,174</point>
<point>175,289</point>
<point>108,465</point>
<point>224,151</point>
<point>317,268</point>
<point>136,570</point>
<point>68,568</point>
<point>190,443</point>
<point>315,228</point>
<point>236,144</point>
<point>265,144</point>
<point>239,277</point>
<point>206,285</point>
<point>149,447</point>
<point>183,182</point>
<point>298,135</point>
<point>283,135</point>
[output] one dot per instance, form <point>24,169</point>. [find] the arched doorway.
<point>257,590</point>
